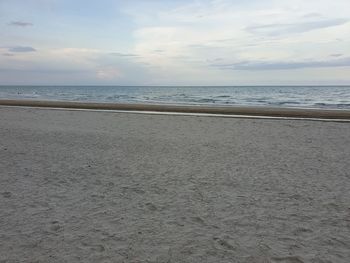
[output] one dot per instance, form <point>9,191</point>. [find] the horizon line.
<point>169,86</point>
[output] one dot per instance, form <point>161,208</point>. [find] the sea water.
<point>335,97</point>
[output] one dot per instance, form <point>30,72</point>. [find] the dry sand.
<point>79,186</point>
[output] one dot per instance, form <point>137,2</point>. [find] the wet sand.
<point>84,186</point>
<point>225,110</point>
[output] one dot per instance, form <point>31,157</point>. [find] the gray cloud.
<point>261,65</point>
<point>225,40</point>
<point>312,15</point>
<point>336,55</point>
<point>281,29</point>
<point>45,70</point>
<point>123,54</point>
<point>21,49</point>
<point>20,23</point>
<point>197,46</point>
<point>214,60</point>
<point>182,57</point>
<point>8,55</point>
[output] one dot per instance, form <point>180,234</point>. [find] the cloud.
<point>108,73</point>
<point>312,15</point>
<point>280,65</point>
<point>21,49</point>
<point>20,24</point>
<point>44,71</point>
<point>336,55</point>
<point>116,66</point>
<point>166,42</point>
<point>123,54</point>
<point>281,29</point>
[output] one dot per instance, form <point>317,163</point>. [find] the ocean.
<point>333,97</point>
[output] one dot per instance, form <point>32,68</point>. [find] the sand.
<point>206,109</point>
<point>81,186</point>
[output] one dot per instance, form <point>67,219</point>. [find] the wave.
<point>313,97</point>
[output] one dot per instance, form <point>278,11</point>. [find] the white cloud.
<point>196,33</point>
<point>177,42</point>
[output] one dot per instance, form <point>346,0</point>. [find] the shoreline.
<point>222,110</point>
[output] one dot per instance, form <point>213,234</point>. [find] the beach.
<point>94,186</point>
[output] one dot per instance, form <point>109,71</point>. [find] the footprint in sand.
<point>225,243</point>
<point>6,194</point>
<point>291,259</point>
<point>55,226</point>
<point>96,248</point>
<point>151,207</point>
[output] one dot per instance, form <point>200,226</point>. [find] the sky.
<point>174,42</point>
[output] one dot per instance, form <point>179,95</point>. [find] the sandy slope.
<point>213,109</point>
<point>109,187</point>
